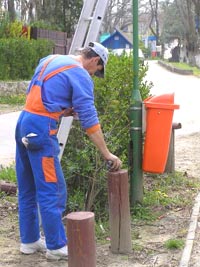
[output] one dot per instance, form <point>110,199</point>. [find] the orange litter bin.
<point>159,116</point>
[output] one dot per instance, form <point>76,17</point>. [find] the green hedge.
<point>19,57</point>
<point>83,166</point>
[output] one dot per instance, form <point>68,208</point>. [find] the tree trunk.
<point>11,10</point>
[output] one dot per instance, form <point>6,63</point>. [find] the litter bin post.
<point>170,166</point>
<point>159,116</point>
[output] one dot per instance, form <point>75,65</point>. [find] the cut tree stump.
<point>81,239</point>
<point>119,212</point>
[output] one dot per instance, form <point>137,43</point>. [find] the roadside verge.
<point>174,69</point>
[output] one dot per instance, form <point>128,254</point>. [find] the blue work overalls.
<point>39,174</point>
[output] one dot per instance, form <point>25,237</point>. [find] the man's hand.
<point>98,139</point>
<point>68,112</point>
<point>114,163</point>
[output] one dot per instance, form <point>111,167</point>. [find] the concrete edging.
<point>8,88</point>
<point>185,259</point>
<point>174,69</point>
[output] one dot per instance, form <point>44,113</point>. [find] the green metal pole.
<point>136,185</point>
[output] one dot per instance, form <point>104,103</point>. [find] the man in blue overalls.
<point>61,84</point>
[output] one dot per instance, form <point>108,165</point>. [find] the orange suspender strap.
<point>34,102</point>
<point>44,66</point>
<point>51,74</point>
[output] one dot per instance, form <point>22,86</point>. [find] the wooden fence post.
<point>170,165</point>
<point>9,188</point>
<point>81,239</point>
<point>119,212</point>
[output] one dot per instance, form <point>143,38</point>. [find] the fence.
<point>61,42</point>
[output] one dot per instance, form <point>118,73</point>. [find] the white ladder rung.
<point>82,26</point>
<point>96,22</point>
<point>87,30</point>
<point>63,133</point>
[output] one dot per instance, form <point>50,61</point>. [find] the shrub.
<point>14,29</point>
<point>82,164</point>
<point>19,57</point>
<point>4,22</point>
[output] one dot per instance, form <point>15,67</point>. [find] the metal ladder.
<point>87,30</point>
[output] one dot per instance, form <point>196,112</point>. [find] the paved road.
<point>187,95</point>
<point>7,138</point>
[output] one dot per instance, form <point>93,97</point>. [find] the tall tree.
<point>172,27</point>
<point>118,14</point>
<point>11,10</point>
<point>62,13</point>
<point>58,14</point>
<point>186,10</point>
<point>197,15</point>
<point>154,22</point>
<point>72,13</point>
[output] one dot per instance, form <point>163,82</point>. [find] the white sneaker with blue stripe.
<point>34,247</point>
<point>57,254</point>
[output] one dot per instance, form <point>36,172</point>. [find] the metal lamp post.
<point>136,185</point>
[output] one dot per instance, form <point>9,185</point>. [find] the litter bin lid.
<point>165,101</point>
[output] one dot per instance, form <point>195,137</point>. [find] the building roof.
<point>124,40</point>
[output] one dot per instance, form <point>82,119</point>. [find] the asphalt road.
<point>7,138</point>
<point>187,94</point>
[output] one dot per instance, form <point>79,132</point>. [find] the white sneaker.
<point>31,248</point>
<point>57,254</point>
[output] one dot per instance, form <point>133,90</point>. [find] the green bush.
<point>19,57</point>
<point>4,22</point>
<point>14,29</point>
<point>83,166</point>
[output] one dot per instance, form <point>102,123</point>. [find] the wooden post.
<point>81,239</point>
<point>170,165</point>
<point>119,212</point>
<point>9,188</point>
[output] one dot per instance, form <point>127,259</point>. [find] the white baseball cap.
<point>101,51</point>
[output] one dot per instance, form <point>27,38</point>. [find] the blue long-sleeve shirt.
<point>70,88</point>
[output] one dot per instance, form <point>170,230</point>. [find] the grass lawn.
<point>185,66</point>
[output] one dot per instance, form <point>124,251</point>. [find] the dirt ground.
<point>148,244</point>
<point>148,238</point>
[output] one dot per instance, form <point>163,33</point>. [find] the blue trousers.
<point>40,180</point>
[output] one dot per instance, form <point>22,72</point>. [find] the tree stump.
<point>119,212</point>
<point>81,239</point>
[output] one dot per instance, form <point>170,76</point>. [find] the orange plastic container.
<point>153,53</point>
<point>159,116</point>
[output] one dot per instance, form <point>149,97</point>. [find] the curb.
<point>191,234</point>
<point>174,69</point>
